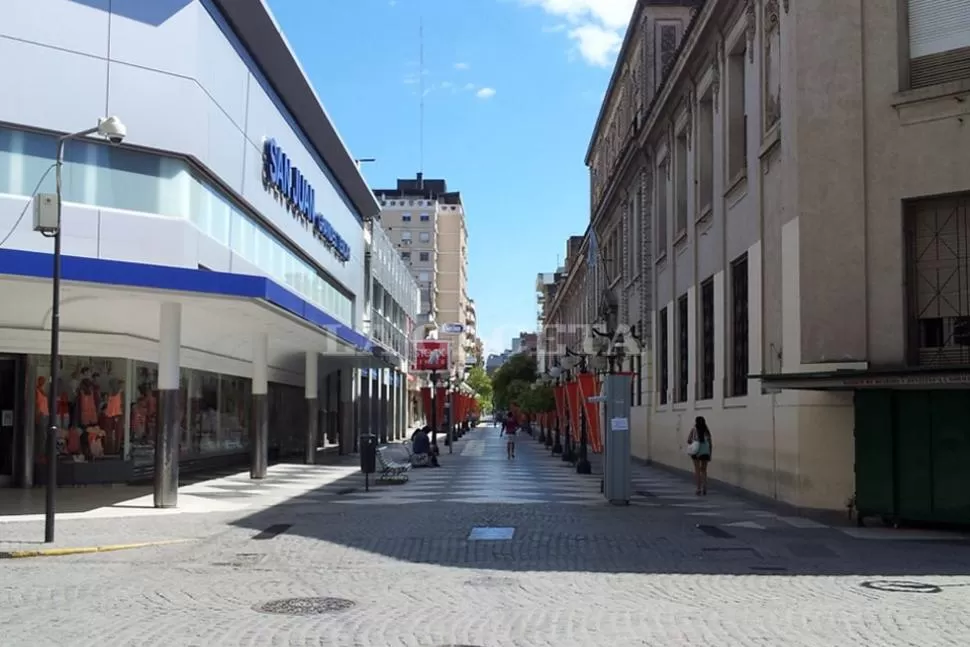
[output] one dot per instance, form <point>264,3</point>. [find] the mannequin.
<point>112,416</point>
<point>41,417</point>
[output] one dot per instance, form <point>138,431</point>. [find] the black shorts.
<point>704,458</point>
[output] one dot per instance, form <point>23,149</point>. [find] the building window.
<point>683,350</point>
<point>405,217</point>
<point>663,367</point>
<point>739,327</point>
<point>706,391</point>
<point>424,236</point>
<point>737,115</point>
<point>424,276</point>
<point>938,262</point>
<point>667,46</point>
<point>405,237</point>
<point>662,213</point>
<point>405,256</point>
<point>680,178</point>
<point>705,153</point>
<point>425,217</point>
<point>424,256</point>
<point>939,41</point>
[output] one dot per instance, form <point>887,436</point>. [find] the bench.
<point>390,469</point>
<point>424,460</point>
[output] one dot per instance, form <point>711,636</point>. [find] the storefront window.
<point>91,410</point>
<point>287,418</point>
<point>235,402</point>
<point>204,404</point>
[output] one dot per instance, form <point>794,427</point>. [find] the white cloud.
<point>470,86</point>
<point>462,66</point>
<point>595,26</point>
<point>485,93</point>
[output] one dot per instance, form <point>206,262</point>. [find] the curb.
<point>85,550</point>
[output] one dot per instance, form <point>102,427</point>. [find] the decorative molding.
<point>772,110</point>
<point>785,4</point>
<point>670,147</point>
<point>689,100</point>
<point>716,72</point>
<point>751,30</point>
<point>771,17</point>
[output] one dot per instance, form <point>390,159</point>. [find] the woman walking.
<point>700,446</point>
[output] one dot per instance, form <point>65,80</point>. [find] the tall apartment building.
<point>426,223</point>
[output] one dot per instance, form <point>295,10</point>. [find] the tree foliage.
<point>518,368</point>
<point>481,384</point>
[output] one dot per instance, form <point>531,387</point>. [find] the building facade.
<point>796,225</point>
<point>214,261</point>
<point>426,222</point>
<point>391,308</point>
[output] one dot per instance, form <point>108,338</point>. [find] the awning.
<point>888,378</point>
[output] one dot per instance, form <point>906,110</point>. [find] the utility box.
<point>368,453</point>
<point>617,470</point>
<point>45,213</point>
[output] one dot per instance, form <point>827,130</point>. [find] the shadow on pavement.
<point>428,521</point>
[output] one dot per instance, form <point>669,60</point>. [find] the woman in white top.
<point>700,447</point>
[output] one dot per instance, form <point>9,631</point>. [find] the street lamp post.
<point>434,408</point>
<point>114,131</point>
<point>583,465</point>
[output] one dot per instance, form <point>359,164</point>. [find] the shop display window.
<point>235,401</point>
<point>91,412</point>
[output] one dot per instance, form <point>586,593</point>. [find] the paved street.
<point>488,552</point>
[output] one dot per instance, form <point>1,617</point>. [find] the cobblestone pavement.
<point>658,572</point>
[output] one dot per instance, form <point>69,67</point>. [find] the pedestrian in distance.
<point>508,430</point>
<point>700,447</point>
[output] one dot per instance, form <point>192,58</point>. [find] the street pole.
<point>434,409</point>
<point>583,465</point>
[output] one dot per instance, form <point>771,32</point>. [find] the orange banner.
<point>426,403</point>
<point>440,394</point>
<point>589,387</point>
<point>572,402</point>
<point>560,392</point>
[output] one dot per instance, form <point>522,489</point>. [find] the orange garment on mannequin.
<point>89,411</point>
<point>113,408</point>
<point>40,398</point>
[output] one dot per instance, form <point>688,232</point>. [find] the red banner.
<point>426,403</point>
<point>572,402</point>
<point>560,392</point>
<point>589,387</point>
<point>440,394</point>
<point>431,355</point>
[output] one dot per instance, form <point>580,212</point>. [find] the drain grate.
<point>305,606</point>
<point>901,586</point>
<point>714,531</point>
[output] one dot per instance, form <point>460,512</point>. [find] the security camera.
<point>112,129</point>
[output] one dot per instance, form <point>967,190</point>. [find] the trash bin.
<point>368,453</point>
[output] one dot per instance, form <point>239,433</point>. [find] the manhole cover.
<point>304,606</point>
<point>901,586</point>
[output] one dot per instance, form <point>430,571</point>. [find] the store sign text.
<point>290,186</point>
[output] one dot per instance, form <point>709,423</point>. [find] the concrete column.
<point>346,383</point>
<point>166,479</point>
<point>394,403</point>
<point>375,403</point>
<point>364,408</point>
<point>382,381</point>
<point>259,417</point>
<point>311,385</point>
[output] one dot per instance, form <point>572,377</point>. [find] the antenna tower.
<point>421,92</point>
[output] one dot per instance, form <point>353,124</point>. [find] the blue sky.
<point>512,90</point>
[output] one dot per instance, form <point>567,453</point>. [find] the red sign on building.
<point>431,355</point>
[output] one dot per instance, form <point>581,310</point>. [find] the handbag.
<point>693,448</point>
